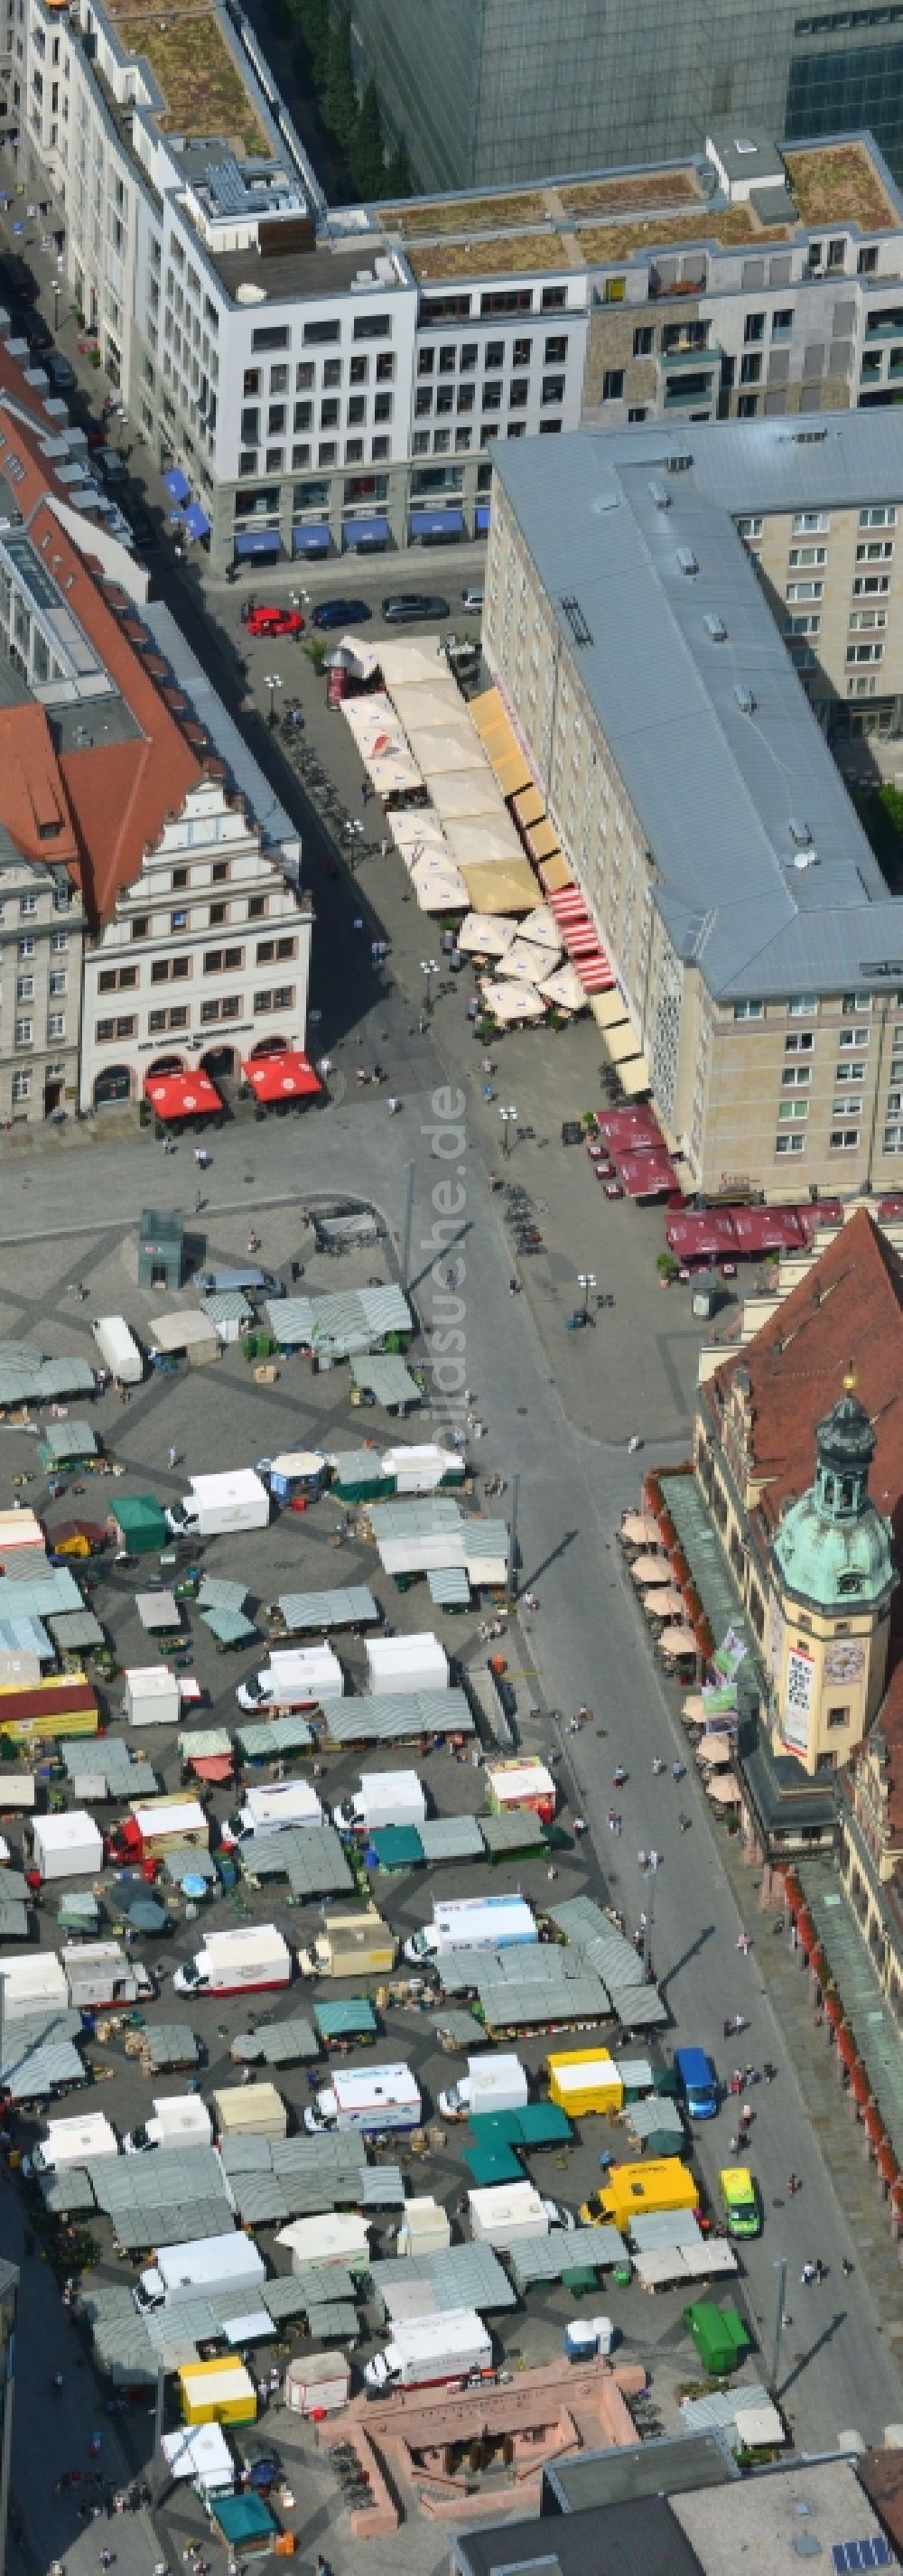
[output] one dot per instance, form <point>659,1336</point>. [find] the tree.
<point>367,155</point>
<point>340,95</point>
<point>313,19</point>
<point>398,181</point>
<point>892,801</point>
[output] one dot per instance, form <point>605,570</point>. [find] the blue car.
<point>342,612</point>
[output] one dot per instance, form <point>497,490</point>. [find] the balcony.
<point>697,387</point>
<point>709,356</point>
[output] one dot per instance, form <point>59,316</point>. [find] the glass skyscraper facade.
<point>499,90</point>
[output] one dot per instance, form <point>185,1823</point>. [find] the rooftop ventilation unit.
<point>715,627</point>
<point>580,631</point>
<point>799,832</point>
<point>745,700</point>
<point>661,498</point>
<point>678,464</point>
<point>806,859</point>
<point>686,560</point>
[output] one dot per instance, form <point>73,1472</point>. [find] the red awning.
<point>637,1131</point>
<point>709,1236</point>
<point>645,1175</point>
<point>815,1212</point>
<point>760,1230</point>
<point>182,1095</point>
<point>280,1077</point>
<point>581,939</point>
<point>215,1767</point>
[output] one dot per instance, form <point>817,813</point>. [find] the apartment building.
<point>755,946</point>
<point>151,913</point>
<point>321,382</point>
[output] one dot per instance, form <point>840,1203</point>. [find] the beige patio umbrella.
<point>723,1790</point>
<point>693,1711</point>
<point>677,1641</point>
<point>663,1601</point>
<point>651,1569</point>
<point>714,1748</point>
<point>637,1531</point>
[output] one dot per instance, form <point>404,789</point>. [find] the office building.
<point>643,660</point>
<point>680,2530</point>
<point>321,381</point>
<point>495,90</point>
<point>149,882</point>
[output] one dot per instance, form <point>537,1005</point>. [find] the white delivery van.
<point>35,1984</point>
<point>273,1810</point>
<point>430,2352</point>
<point>492,2083</point>
<point>367,2099</point>
<point>472,1923</point>
<point>99,1972</point>
<point>182,2272</point>
<point>217,1504</point>
<point>296,1677</point>
<point>177,2120</point>
<point>118,1349</point>
<point>72,2142</point>
<point>406,1664</point>
<point>237,1963</point>
<point>384,1798</point>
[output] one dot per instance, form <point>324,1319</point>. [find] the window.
<point>117,979</point>
<point>25,988</point>
<point>268,950</point>
<point>554,299</point>
<point>749,1010</point>
<point>795,1074</point>
<point>867,261</point>
<point>518,391</point>
<point>509,299</point>
<point>120,1028</point>
<point>811,523</point>
<point>792,1144</point>
<point>883,515</point>
<point>220,961</point>
<point>875,550</point>
<point>274,335</point>
<point>257,904</point>
<point>801,1045</point>
<point>747,404</point>
<point>843,1140</point>
<point>423,402</point>
<point>555,351</point>
<point>28,904</point>
<point>180,879</point>
<point>465,398</point>
<point>791,1112</point>
<point>220,872</point>
<point>754,329</point>
<point>281,998</point>
<point>56,984</point>
<point>332,374</point>
<point>492,396</point>
<point>749,529</point>
<point>56,1025</point>
<point>871,585</point>
<point>800,556</point>
<point>864,653</point>
<point>838,1717</point>
<point>522,352</point>
<point>468,357</point>
<point>612,386</point>
<point>643,341</point>
<point>317,335</point>
<point>371,326</point>
<point>495,354</point>
<point>893,1140</point>
<point>782,322</point>
<point>863,618</point>
<point>853,1037</point>
<point>217,916</point>
<point>853,1002</point>
<point>21,1088</point>
<point>59,943</point>
<point>385,367</point>
<point>23,1032</point>
<point>804,590</point>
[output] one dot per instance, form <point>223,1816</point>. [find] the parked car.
<point>274,621</point>
<point>342,612</point>
<point>34,329</point>
<point>60,370</point>
<point>402,607</point>
<point>144,534</point>
<point>472,600</point>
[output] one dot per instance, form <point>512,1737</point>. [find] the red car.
<point>274,621</point>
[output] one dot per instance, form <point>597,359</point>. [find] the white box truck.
<point>295,1678</point>
<point>219,1504</point>
<point>250,2111</point>
<point>384,1798</point>
<point>69,1846</point>
<point>99,1972</point>
<point>118,1349</point>
<point>177,2120</point>
<point>471,1923</point>
<point>183,2272</point>
<point>368,2099</point>
<point>432,2352</point>
<point>416,1663</point>
<point>506,2213</point>
<point>237,1963</point>
<point>72,2142</point>
<point>496,2083</point>
<point>425,2228</point>
<point>274,1809</point>
<point>35,1984</point>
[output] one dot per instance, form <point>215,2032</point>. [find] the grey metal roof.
<point>513,1833</point>
<point>21,2039</point>
<point>385,1375</point>
<point>172,2223</point>
<point>656,2230</point>
<point>260,2200</point>
<point>170,2043</point>
<point>390,1717</point>
<point>27,1378</point>
<point>281,2043</point>
<point>333,2322</point>
<point>461,2276</point>
<point>654,2113</point>
<point>229,1307</point>
<point>565,2249</point>
<point>75,1628</point>
<point>50,2067</point>
<point>37,1596</point>
<point>274,824</point>
<point>186,1860</point>
<point>451,1838</point>
<point>67,2193</point>
<point>353,1320</point>
<point>461,2029</point>
<point>525,1984</point>
<point>205,1743</point>
<point>229,1627</point>
<point>126,1774</point>
<point>422,1518</point>
<point>136,2182</point>
<point>706,778</point>
<point>74,1439</point>
<point>311,1857</point>
<point>638,2007</point>
<point>483,1538</point>
<point>271,1735</point>
<point>214,1593</point>
<point>24,1636</point>
<point>321,1610</point>
<point>586,1924</point>
<point>13,1918</point>
<point>448,1587</point>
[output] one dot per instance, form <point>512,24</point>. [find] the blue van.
<point>698,2083</point>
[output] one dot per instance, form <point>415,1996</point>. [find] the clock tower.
<point>832,1581</point>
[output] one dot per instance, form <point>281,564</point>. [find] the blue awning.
<point>481,519</point>
<point>312,540</point>
<point>437,523</point>
<point>177,484</point>
<point>257,541</point>
<point>366,532</point>
<point>195,521</point>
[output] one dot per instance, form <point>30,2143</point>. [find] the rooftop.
<point>319,269</point>
<point>671,640</point>
<point>196,70</point>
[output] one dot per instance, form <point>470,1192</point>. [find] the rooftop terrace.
<point>196,71</point>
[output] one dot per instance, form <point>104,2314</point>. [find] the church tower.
<point>833,1579</point>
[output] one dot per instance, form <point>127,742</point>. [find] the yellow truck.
<point>351,1945</point>
<point>635,2191</point>
<point>584,2079</point>
<point>742,2207</point>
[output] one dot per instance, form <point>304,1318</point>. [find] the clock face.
<point>844,1663</point>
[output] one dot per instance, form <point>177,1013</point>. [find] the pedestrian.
<point>199,1201</point>
<point>736,2079</point>
<point>743,1942</point>
<point>727,2027</point>
<point>807,2275</point>
<point>819,2269</point>
<point>846,2266</point>
<point>769,2071</point>
<point>642,1862</point>
<point>173,1455</point>
<point>108,2558</point>
<point>793,2185</point>
<point>612,1821</point>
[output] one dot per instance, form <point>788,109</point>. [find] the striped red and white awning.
<point>581,940</point>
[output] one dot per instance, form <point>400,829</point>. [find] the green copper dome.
<point>833,1549</point>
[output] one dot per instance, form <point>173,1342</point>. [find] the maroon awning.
<point>646,1175</point>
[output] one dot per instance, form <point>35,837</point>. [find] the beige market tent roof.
<point>621,1043</point>
<point>485,836</point>
<point>433,702</point>
<point>542,840</point>
<point>529,807</point>
<point>439,886</point>
<point>496,887</point>
<point>457,793</point>
<point>564,989</point>
<point>677,1641</point>
<point>556,875</point>
<point>513,1002</point>
<point>714,1748</point>
<point>635,1076</point>
<point>410,660</point>
<point>367,718</point>
<point>481,936</point>
<point>186,1327</point>
<point>650,1569</point>
<point>693,1709</point>
<point>724,1791</point>
<point>512,769</point>
<point>416,832</point>
<point>453,745</point>
<point>664,1601</point>
<point>486,710</point>
<point>639,1530</point>
<point>608,1010</point>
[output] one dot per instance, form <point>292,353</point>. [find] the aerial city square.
<point>451,1349</point>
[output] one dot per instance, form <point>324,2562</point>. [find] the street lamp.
<point>429,968</point>
<point>508,1118</point>
<point>272,681</point>
<point>586,1279</point>
<point>57,292</point>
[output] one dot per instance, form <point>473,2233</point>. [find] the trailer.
<point>417,1663</point>
<point>216,1505</point>
<point>425,2229</point>
<point>303,1677</point>
<point>583,2080</point>
<point>177,2120</point>
<point>350,1945</point>
<point>337,2237</point>
<point>118,1349</point>
<point>249,1961</point>
<point>492,2083</point>
<point>151,1696</point>
<point>505,2213</point>
<point>34,1985</point>
<point>472,1923</point>
<point>250,2111</point>
<point>69,1846</point>
<point>276,1809</point>
<point>191,2271</point>
<point>521,1785</point>
<point>72,2143</point>
<point>99,1973</point>
<point>368,2100</point>
<point>432,2352</point>
<point>384,1798</point>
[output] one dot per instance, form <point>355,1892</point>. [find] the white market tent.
<point>564,989</point>
<point>438,887</point>
<point>455,747</point>
<point>541,928</point>
<point>527,963</point>
<point>458,793</point>
<point>482,837</point>
<point>481,936</point>
<point>415,830</point>
<point>431,702</point>
<point>511,1002</point>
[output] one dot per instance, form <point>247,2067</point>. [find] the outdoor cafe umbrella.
<point>145,1916</point>
<point>693,1711</point>
<point>193,1885</point>
<point>663,1602</point>
<point>638,1530</point>
<point>650,1569</point>
<point>714,1748</point>
<point>677,1641</point>
<point>723,1790</point>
